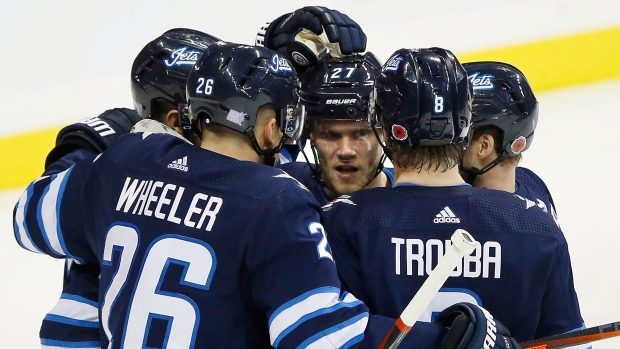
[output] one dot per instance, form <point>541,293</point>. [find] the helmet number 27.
<point>337,73</point>
<point>204,86</point>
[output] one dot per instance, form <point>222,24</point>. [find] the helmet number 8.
<point>207,84</point>
<point>438,104</point>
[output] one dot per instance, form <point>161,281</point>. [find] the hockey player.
<point>337,82</point>
<point>160,224</point>
<point>504,118</point>
<point>179,267</point>
<point>385,241</point>
<point>158,79</point>
<point>347,155</point>
<point>304,37</point>
<point>158,89</point>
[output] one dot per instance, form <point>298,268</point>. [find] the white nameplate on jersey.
<point>100,126</point>
<point>182,56</point>
<point>161,200</point>
<point>482,82</point>
<point>416,257</point>
<point>279,64</point>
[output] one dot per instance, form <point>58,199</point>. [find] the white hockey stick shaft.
<point>463,244</point>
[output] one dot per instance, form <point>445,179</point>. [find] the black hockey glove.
<point>473,327</point>
<point>308,33</point>
<point>95,134</point>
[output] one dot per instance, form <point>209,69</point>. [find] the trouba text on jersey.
<point>418,257</point>
<point>161,200</point>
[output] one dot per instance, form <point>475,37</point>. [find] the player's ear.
<point>487,146</point>
<point>271,133</point>
<point>172,121</point>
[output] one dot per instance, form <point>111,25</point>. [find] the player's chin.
<point>344,187</point>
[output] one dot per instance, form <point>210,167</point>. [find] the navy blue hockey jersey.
<point>74,320</point>
<point>529,185</point>
<point>392,238</point>
<point>194,251</point>
<point>302,172</point>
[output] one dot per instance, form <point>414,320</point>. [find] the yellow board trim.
<point>562,62</point>
<point>23,157</point>
<point>548,64</point>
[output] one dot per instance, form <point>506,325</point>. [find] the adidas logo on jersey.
<point>446,216</point>
<point>179,164</point>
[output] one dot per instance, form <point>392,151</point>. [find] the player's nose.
<point>346,150</point>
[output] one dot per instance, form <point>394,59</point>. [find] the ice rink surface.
<point>54,74</point>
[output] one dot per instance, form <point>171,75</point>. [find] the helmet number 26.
<point>204,86</point>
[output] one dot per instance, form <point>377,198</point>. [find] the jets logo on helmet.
<point>279,64</point>
<point>518,145</point>
<point>399,132</point>
<point>393,63</point>
<point>182,56</point>
<point>482,82</point>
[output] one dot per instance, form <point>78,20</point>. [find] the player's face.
<point>469,159</point>
<point>348,153</point>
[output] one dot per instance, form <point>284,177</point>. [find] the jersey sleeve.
<point>560,310</point>
<point>74,321</point>
<point>294,279</point>
<point>296,284</point>
<point>48,217</point>
<point>343,247</point>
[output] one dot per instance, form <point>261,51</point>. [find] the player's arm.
<point>343,247</point>
<point>308,33</point>
<point>295,283</point>
<point>560,311</point>
<point>88,137</point>
<point>48,217</point>
<point>74,321</point>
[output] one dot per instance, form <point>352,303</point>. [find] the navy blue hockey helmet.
<point>160,70</point>
<point>230,82</point>
<point>503,99</point>
<point>422,97</point>
<point>340,88</point>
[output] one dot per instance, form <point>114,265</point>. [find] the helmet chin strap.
<point>316,169</point>
<point>189,129</point>
<point>269,154</point>
<point>386,152</point>
<point>317,173</point>
<point>474,172</point>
